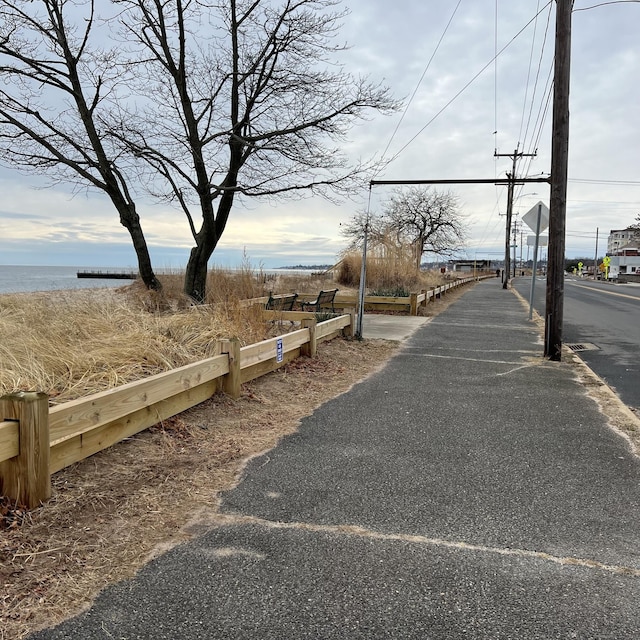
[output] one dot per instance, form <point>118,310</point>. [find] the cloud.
<point>442,135</point>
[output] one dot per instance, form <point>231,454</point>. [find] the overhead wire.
<point>467,85</point>
<point>415,91</point>
<point>612,182</point>
<point>542,108</point>
<point>535,86</point>
<point>602,4</point>
<point>526,88</point>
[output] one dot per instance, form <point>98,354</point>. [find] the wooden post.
<point>349,330</point>
<point>26,477</point>
<point>231,385</point>
<point>413,301</point>
<point>559,171</point>
<point>426,297</point>
<point>310,348</point>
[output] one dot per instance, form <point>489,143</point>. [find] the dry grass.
<point>74,343</point>
<point>394,272</point>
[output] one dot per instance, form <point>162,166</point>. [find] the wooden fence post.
<point>26,477</point>
<point>413,302</point>
<point>310,348</point>
<point>349,330</point>
<point>231,384</point>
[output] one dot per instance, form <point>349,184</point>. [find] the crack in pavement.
<point>433,355</point>
<point>220,520</point>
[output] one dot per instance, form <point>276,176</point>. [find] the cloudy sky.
<point>460,107</point>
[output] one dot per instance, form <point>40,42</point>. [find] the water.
<point>15,279</point>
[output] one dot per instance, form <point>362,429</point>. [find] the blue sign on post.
<point>279,350</point>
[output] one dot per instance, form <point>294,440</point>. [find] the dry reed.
<point>388,272</point>
<point>73,343</point>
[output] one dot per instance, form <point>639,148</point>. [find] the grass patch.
<point>392,292</point>
<point>386,274</point>
<point>70,344</point>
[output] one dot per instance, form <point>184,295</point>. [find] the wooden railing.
<point>409,304</point>
<point>36,441</point>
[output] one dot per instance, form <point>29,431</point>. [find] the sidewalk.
<point>469,489</point>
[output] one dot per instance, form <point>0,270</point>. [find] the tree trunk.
<point>145,269</point>
<point>195,277</point>
<point>130,220</point>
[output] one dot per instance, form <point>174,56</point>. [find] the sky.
<point>460,107</point>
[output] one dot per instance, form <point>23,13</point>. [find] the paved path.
<point>467,490</point>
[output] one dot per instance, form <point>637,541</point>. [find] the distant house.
<point>618,238</point>
<point>623,248</point>
<point>625,262</point>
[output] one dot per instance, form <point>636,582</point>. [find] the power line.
<point>535,87</point>
<point>630,183</point>
<point>413,95</point>
<point>466,86</point>
<point>526,87</point>
<point>602,4</point>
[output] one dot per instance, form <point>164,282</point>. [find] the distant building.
<point>618,238</point>
<point>625,267</point>
<point>469,266</point>
<point>623,248</point>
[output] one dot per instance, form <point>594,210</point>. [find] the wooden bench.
<point>323,301</point>
<point>282,302</point>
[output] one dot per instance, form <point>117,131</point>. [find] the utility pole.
<point>559,172</point>
<point>521,243</point>
<point>515,246</point>
<point>595,259</point>
<point>510,189</point>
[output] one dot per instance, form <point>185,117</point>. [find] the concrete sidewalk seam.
<point>485,360</point>
<point>222,520</point>
<point>534,352</point>
<point>471,325</point>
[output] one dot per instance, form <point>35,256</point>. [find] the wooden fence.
<point>36,440</point>
<point>410,304</point>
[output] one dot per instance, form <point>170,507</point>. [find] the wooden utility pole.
<point>559,172</point>
<point>510,189</point>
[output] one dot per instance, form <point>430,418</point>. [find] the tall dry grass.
<point>70,344</point>
<point>385,273</point>
<point>73,343</point>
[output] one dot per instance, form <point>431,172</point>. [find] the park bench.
<point>323,301</point>
<point>282,302</point>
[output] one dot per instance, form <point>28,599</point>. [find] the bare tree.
<point>430,221</point>
<point>419,219</point>
<point>245,100</point>
<point>54,89</point>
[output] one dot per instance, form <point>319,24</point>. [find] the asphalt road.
<point>607,316</point>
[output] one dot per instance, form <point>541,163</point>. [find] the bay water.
<point>20,279</point>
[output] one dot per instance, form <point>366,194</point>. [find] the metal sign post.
<point>541,213</point>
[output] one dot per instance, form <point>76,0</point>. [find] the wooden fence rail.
<point>37,440</point>
<point>410,303</point>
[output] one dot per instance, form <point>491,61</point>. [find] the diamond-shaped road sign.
<point>531,217</point>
